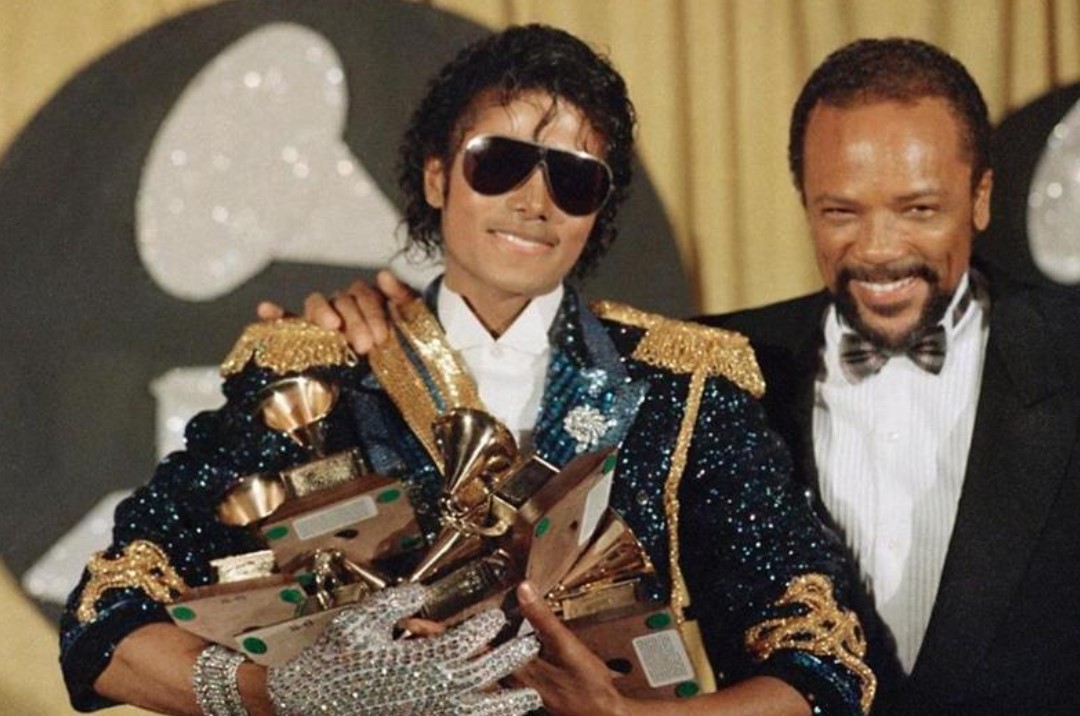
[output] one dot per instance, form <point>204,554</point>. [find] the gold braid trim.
<point>683,347</point>
<point>402,381</point>
<point>288,345</point>
<point>426,336</point>
<point>825,630</point>
<point>143,565</point>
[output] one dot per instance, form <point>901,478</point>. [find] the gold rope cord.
<point>142,565</point>
<point>825,629</point>
<point>680,595</point>
<point>288,345</point>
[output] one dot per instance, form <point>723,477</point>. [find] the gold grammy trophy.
<point>479,453</point>
<point>332,502</point>
<point>327,521</point>
<point>505,517</point>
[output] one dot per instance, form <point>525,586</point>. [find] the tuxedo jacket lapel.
<point>1024,430</point>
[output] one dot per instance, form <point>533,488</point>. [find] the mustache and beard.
<point>932,311</point>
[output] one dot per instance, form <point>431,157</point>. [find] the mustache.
<point>887,273</point>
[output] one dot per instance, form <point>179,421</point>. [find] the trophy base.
<point>654,656</point>
<point>367,519</point>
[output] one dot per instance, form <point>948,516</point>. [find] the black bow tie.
<point>860,358</point>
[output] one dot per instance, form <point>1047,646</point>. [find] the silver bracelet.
<point>215,684</point>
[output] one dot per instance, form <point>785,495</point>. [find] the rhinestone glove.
<point>356,668</point>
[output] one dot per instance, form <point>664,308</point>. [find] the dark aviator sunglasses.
<point>578,182</point>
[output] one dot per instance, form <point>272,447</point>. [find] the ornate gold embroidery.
<point>143,565</point>
<point>288,345</point>
<point>825,630</point>
<point>683,347</point>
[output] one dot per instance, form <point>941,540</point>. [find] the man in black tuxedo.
<point>931,408</point>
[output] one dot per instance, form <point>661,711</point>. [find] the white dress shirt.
<point>891,452</point>
<point>509,370</point>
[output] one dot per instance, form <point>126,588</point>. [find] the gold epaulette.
<point>288,345</point>
<point>683,347</point>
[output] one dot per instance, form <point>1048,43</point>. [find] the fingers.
<point>422,627</point>
<point>496,664</point>
<point>394,289</point>
<point>510,702</point>
<point>318,310</point>
<point>364,309</point>
<point>375,616</point>
<point>557,639</point>
<point>360,311</point>
<point>466,638</point>
<point>269,311</point>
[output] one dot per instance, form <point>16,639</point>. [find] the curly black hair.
<point>520,59</point>
<point>898,69</point>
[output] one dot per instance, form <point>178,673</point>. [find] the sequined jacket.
<point>700,479</point>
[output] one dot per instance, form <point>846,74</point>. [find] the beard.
<point>932,311</point>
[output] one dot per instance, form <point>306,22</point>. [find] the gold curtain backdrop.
<point>713,81</point>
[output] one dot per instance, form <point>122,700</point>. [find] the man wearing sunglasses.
<point>513,168</point>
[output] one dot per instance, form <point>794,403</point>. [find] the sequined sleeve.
<point>166,533</point>
<point>767,581</point>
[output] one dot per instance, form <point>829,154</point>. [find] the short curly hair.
<point>897,69</point>
<point>518,60</point>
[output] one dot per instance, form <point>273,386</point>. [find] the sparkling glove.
<point>357,668</point>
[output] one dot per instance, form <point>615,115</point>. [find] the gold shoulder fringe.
<point>288,345</point>
<point>683,347</point>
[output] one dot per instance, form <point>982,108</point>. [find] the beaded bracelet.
<point>215,684</point>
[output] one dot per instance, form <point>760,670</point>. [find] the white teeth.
<point>520,241</point>
<point>885,287</point>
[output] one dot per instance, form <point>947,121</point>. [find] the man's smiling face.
<point>888,193</point>
<point>503,250</point>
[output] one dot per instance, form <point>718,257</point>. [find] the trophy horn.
<point>478,452</point>
<point>251,499</point>
<point>297,406</point>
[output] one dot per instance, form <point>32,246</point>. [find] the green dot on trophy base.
<point>411,541</point>
<point>609,463</point>
<point>388,496</point>
<point>658,620</point>
<point>184,614</point>
<point>276,532</point>
<point>542,527</point>
<point>292,596</point>
<point>255,646</point>
<point>687,689</point>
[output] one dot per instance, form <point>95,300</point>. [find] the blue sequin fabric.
<point>745,530</point>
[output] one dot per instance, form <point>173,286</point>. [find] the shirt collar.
<point>528,333</point>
